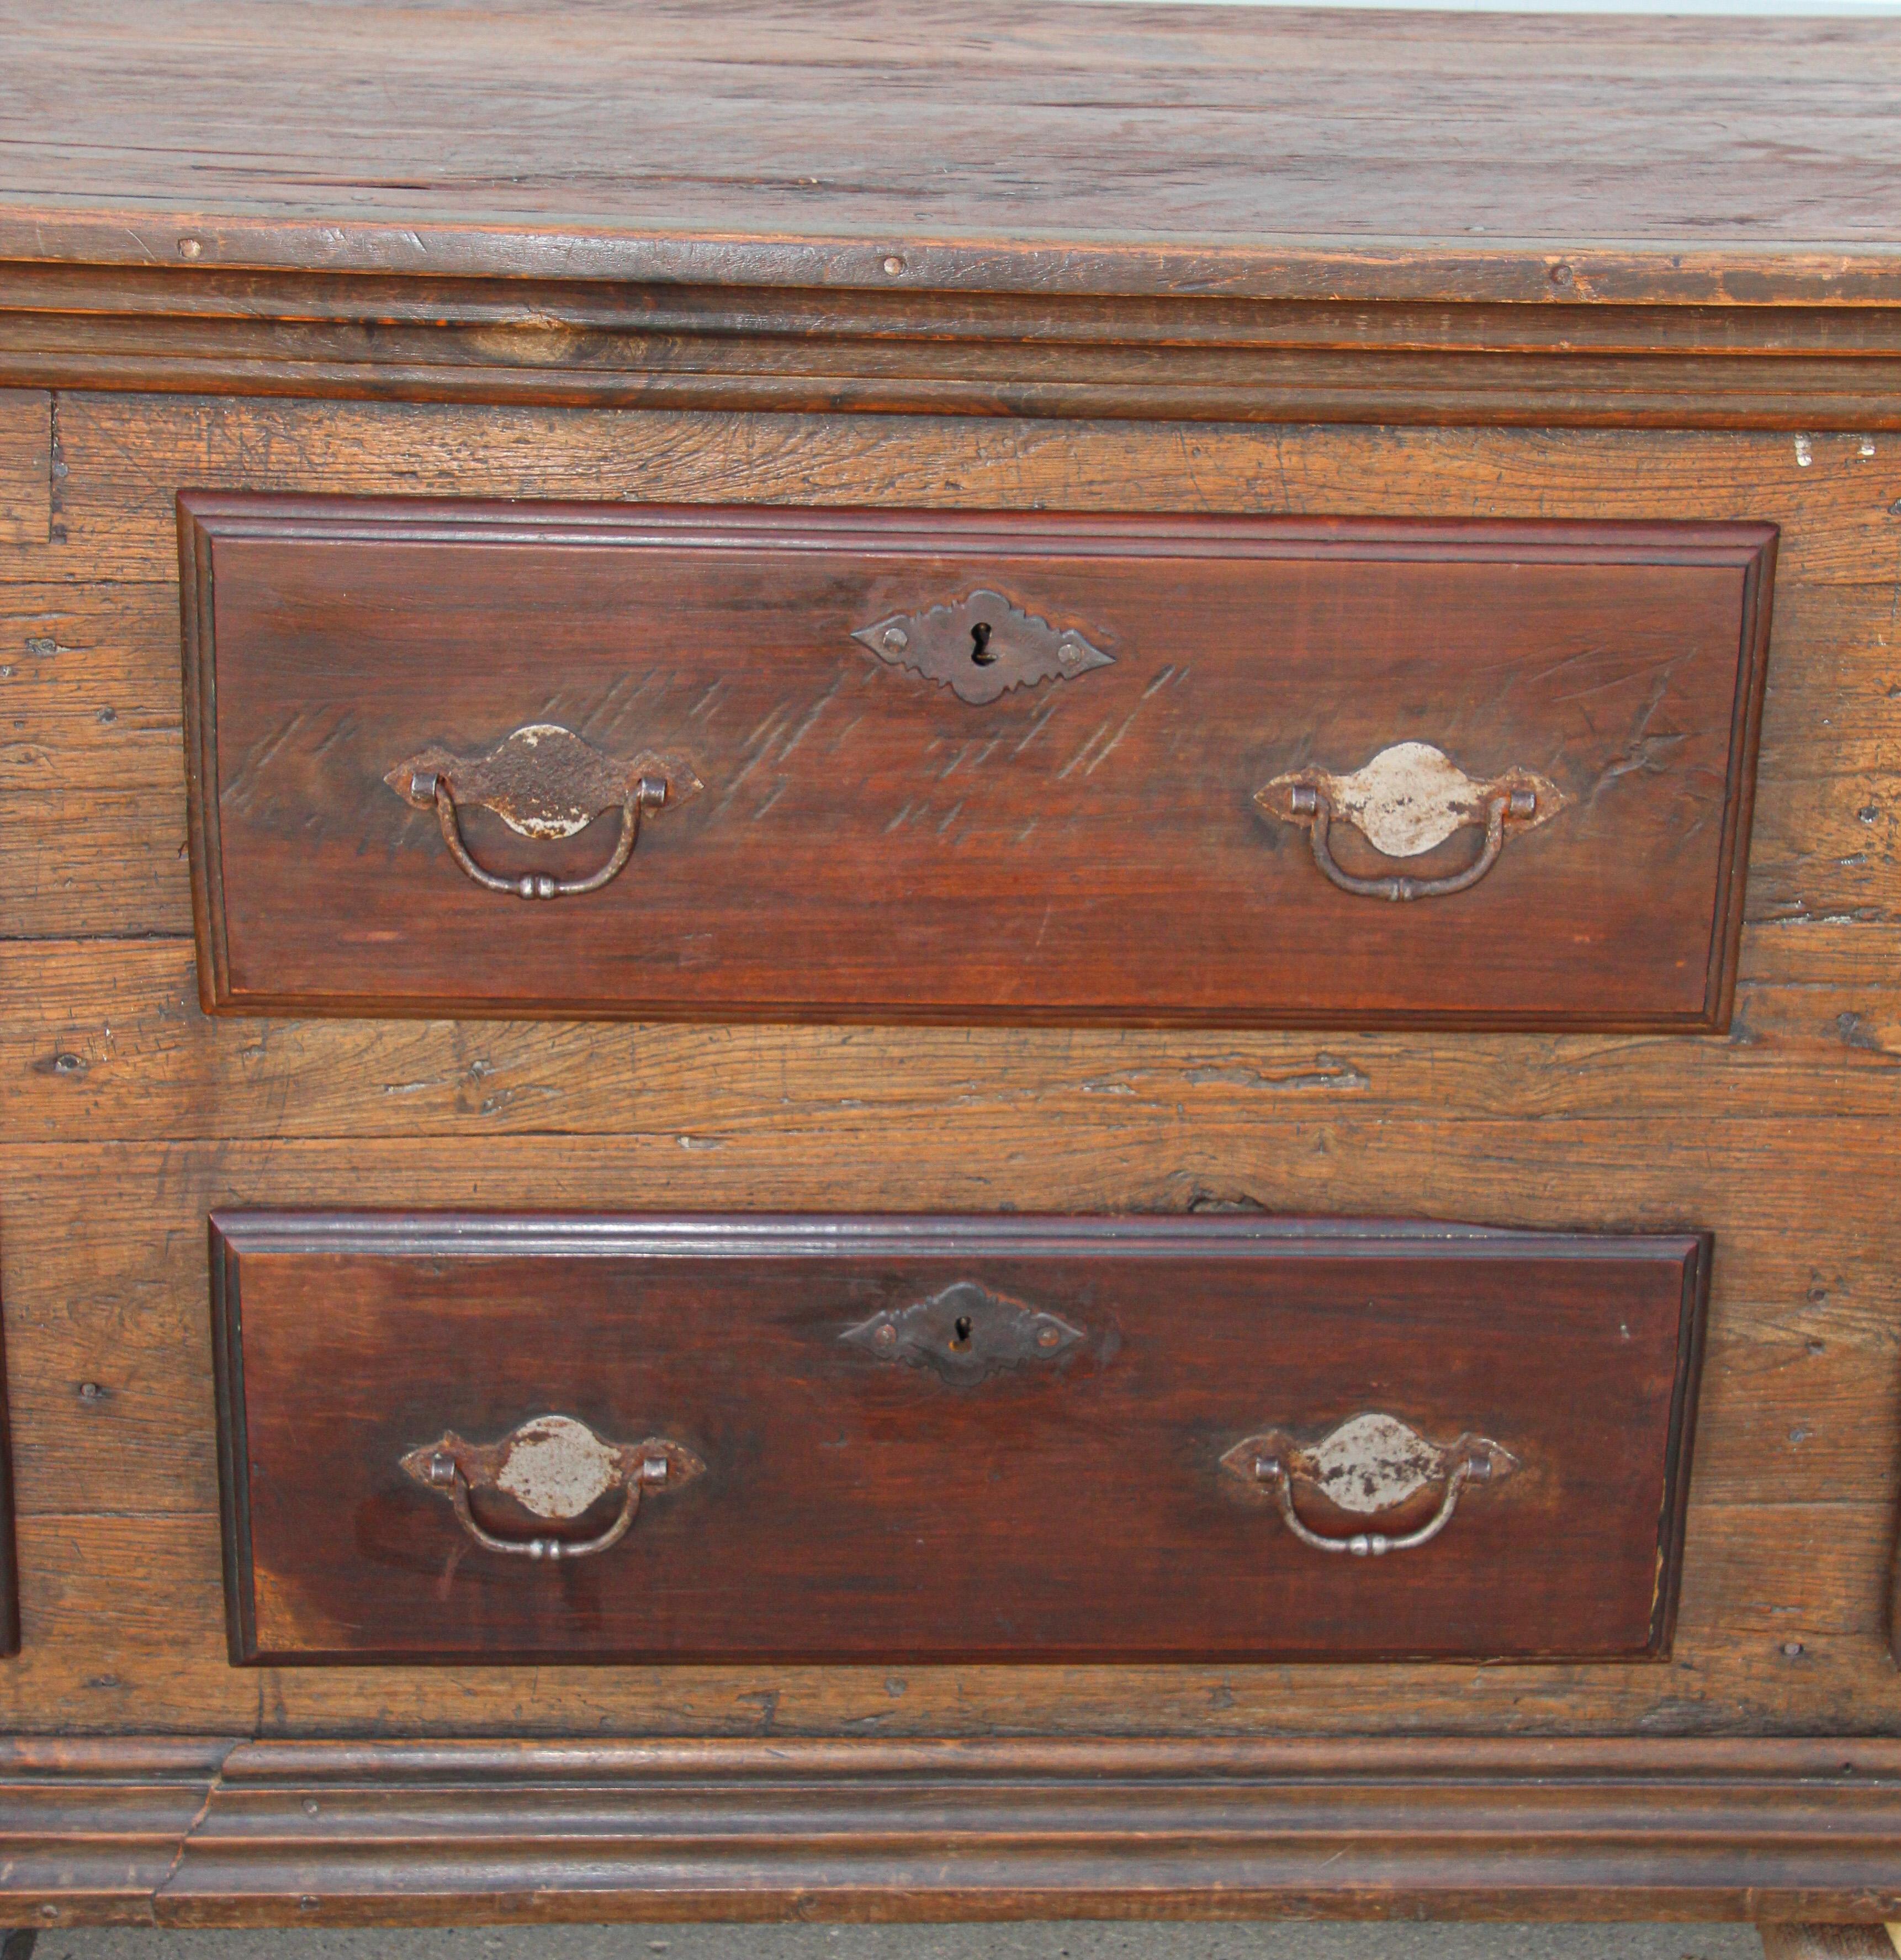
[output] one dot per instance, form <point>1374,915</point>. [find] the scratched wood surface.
<point>1109,842</point>
<point>1097,148</point>
<point>130,1115</point>
<point>951,1492</point>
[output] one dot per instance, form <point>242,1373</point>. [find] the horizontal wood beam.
<point>246,1833</point>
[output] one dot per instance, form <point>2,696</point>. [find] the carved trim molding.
<point>224,1833</point>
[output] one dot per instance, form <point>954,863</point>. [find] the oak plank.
<point>128,455</point>
<point>26,481</point>
<point>1166,149</point>
<point>105,1041</point>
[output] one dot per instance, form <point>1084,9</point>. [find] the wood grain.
<point>9,1563</point>
<point>1168,150</point>
<point>1035,354</point>
<point>127,456</point>
<point>111,859</point>
<point>218,1830</point>
<point>105,1282</point>
<point>1075,1505</point>
<point>103,1041</point>
<point>25,464</point>
<point>1103,854</point>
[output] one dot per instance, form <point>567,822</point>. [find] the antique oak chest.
<point>950,963</point>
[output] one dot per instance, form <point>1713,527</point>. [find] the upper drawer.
<point>807,764</point>
<point>946,1438</point>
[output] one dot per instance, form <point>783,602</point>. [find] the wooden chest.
<point>950,963</point>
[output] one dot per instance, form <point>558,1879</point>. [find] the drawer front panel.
<point>800,764</point>
<point>480,1438</point>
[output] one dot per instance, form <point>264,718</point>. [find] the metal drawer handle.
<point>557,1468</point>
<point>1370,1464</point>
<point>1409,799</point>
<point>543,782</point>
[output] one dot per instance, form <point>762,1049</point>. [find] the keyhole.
<point>960,1333</point>
<point>980,652</point>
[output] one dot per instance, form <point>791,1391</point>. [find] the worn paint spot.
<point>556,1467</point>
<point>1804,452</point>
<point>1409,798</point>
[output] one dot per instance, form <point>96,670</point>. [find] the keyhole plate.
<point>967,1334</point>
<point>982,646</point>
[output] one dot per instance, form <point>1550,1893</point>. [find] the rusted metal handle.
<point>1371,1463</point>
<point>445,1474</point>
<point>1362,1545</point>
<point>1306,802</point>
<point>555,1468</point>
<point>429,786</point>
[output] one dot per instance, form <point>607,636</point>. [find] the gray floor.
<point>1073,1941</point>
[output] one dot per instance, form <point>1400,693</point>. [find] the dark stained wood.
<point>1073,148</point>
<point>91,794</point>
<point>855,1506</point>
<point>884,837</point>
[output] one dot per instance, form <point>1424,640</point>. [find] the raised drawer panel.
<point>484,1438</point>
<point>854,766</point>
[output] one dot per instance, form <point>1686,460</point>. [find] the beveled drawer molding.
<point>483,1439</point>
<point>803,764</point>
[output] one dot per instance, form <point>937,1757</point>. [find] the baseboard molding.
<point>226,1832</point>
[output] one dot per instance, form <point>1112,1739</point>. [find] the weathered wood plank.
<point>128,455</point>
<point>1163,150</point>
<point>25,483</point>
<point>106,1042</point>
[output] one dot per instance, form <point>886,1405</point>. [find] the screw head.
<point>1068,653</point>
<point>1049,1337</point>
<point>894,266</point>
<point>189,248</point>
<point>886,1336</point>
<point>897,639</point>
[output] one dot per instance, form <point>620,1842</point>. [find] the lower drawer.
<point>485,1438</point>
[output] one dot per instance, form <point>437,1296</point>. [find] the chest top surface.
<point>1044,147</point>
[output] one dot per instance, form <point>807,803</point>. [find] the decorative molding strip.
<point>1701,364</point>
<point>229,1833</point>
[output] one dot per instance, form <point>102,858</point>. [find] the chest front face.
<point>984,1070</point>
